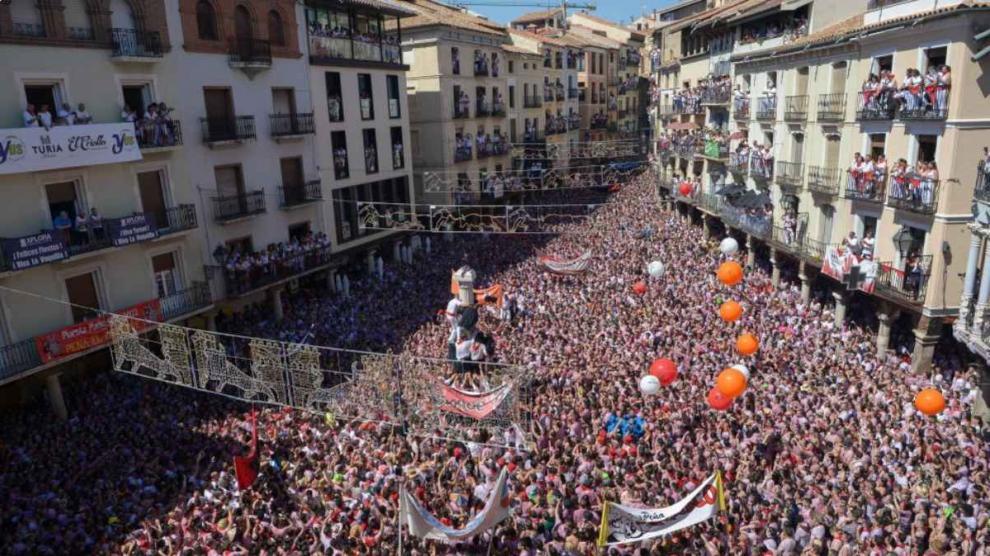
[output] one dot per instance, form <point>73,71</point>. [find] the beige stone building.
<point>458,101</point>
<point>888,237</point>
<point>597,119</point>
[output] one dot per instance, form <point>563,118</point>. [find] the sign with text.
<point>44,247</point>
<point>94,332</point>
<point>132,229</point>
<point>31,149</point>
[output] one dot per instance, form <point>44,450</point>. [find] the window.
<point>828,213</point>
<point>230,181</point>
<point>512,96</point>
<point>398,153</point>
<point>65,202</point>
<point>511,66</point>
<point>137,98</point>
<point>345,213</point>
<point>394,109</point>
<point>154,197</point>
<point>83,292</point>
<point>935,57</point>
<point>926,148</point>
<point>365,94</point>
<point>455,60</point>
<point>166,274</point>
<point>878,142</point>
<point>206,21</point>
<point>882,63</point>
<point>335,99</point>
<point>243,27</point>
<point>370,151</point>
<point>45,94</point>
<point>299,231</point>
<point>276,33</point>
<point>338,142</point>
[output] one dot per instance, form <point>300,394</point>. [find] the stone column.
<point>886,316</point>
<point>981,301</point>
<point>805,282</point>
<point>750,251</point>
<point>926,336</point>
<point>969,289</point>
<point>841,304</point>
<point>370,259</point>
<point>275,295</point>
<point>54,389</point>
<point>775,273</point>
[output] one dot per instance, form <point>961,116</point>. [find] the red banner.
<point>93,333</point>
<point>476,405</point>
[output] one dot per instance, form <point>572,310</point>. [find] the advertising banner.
<point>44,247</point>
<point>93,333</point>
<point>31,149</point>
<point>132,229</point>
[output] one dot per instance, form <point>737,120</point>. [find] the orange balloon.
<point>730,382</point>
<point>929,401</point>
<point>747,344</point>
<point>730,273</point>
<point>730,311</point>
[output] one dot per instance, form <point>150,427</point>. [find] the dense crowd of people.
<point>924,93</point>
<point>824,453</point>
<point>245,270</point>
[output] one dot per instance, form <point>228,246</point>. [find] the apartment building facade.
<point>597,120</point>
<point>99,210</point>
<point>458,87</point>
<point>358,81</point>
<point>802,100</point>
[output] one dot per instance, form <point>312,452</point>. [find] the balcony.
<point>686,150</point>
<point>715,96</point>
<point>831,107</point>
<point>875,107</point>
<point>687,106</point>
<point>462,154</point>
<point>766,109</point>
<point>238,207</point>
<point>760,169</point>
<point>913,193</point>
<point>796,108</point>
<point>461,111</point>
<point>572,93</point>
<point>220,131</point>
<point>498,110</point>
<point>250,55</point>
<point>573,122</point>
<point>864,188</point>
<point>482,109</point>
<point>481,69</point>
<point>753,224</point>
<point>286,126</point>
<point>239,281</point>
<point>532,101</point>
<point>158,136</point>
<point>787,238</point>
<point>813,250</point>
<point>909,284</point>
<point>738,165</point>
<point>133,46</point>
<point>716,151</point>
<point>790,175</point>
<point>824,181</point>
<point>23,356</point>
<point>926,107</point>
<point>740,108</point>
<point>332,50</point>
<point>51,246</point>
<point>300,194</point>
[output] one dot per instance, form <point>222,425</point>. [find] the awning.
<point>682,126</point>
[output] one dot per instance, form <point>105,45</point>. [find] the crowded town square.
<point>824,452</point>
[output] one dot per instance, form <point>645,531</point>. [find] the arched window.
<point>206,21</point>
<point>242,23</point>
<point>276,33</point>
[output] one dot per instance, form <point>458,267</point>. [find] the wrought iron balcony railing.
<point>831,107</point>
<point>862,187</point>
<point>825,181</point>
<point>740,108</point>
<point>286,125</point>
<point>982,190</point>
<point>875,106</point>
<point>158,134</point>
<point>226,208</point>
<point>909,282</point>
<point>796,108</point>
<point>790,174</point>
<point>913,193</point>
<point>131,43</point>
<point>766,108</point>
<point>300,194</point>
<point>217,130</point>
<point>250,51</point>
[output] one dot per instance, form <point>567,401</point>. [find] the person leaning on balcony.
<point>128,114</point>
<point>82,116</point>
<point>943,84</point>
<point>45,117</point>
<point>63,226</point>
<point>30,116</point>
<point>81,232</point>
<point>868,245</point>
<point>96,224</point>
<point>66,115</point>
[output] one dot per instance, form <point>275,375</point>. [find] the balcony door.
<point>166,271</point>
<point>153,197</point>
<point>121,16</point>
<point>292,180</point>
<point>83,292</point>
<point>219,113</point>
<point>797,148</point>
<point>242,24</point>
<point>229,181</point>
<point>284,101</point>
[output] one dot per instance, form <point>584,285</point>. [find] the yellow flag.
<point>720,491</point>
<point>603,529</point>
<point>329,419</point>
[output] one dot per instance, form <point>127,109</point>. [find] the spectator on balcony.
<point>868,245</point>
<point>910,95</point>
<point>63,226</point>
<point>465,103</point>
<point>929,177</point>
<point>900,181</point>
<point>96,224</point>
<point>30,116</point>
<point>80,232</point>
<point>943,84</point>
<point>45,117</point>
<point>82,116</point>
<point>66,115</point>
<point>128,114</point>
<point>852,243</point>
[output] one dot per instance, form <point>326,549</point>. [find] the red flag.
<point>246,467</point>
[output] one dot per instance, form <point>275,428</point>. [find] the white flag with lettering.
<point>424,525</point>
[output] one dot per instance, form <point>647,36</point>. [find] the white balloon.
<point>649,385</point>
<point>729,246</point>
<point>742,369</point>
<point>656,269</point>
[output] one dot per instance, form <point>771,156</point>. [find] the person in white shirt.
<point>82,116</point>
<point>66,116</point>
<point>45,117</point>
<point>128,114</point>
<point>30,116</point>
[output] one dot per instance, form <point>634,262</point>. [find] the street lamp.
<point>903,239</point>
